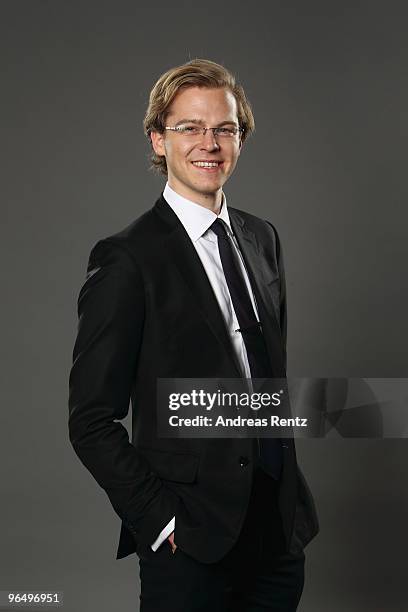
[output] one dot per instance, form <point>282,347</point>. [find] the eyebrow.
<point>201,122</point>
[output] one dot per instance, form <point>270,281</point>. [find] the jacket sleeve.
<point>105,355</point>
<point>282,290</point>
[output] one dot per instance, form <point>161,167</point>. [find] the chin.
<point>209,190</point>
<point>211,184</point>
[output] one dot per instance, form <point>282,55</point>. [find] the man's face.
<point>211,107</point>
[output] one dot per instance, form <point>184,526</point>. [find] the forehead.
<point>204,103</point>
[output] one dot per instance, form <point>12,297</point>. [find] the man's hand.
<point>173,545</point>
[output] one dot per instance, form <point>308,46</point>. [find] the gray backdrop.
<point>328,85</point>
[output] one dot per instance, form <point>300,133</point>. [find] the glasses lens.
<point>190,130</point>
<point>228,132</point>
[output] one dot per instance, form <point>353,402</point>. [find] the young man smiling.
<point>192,289</point>
<point>187,156</point>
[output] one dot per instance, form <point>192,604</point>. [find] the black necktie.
<point>270,458</point>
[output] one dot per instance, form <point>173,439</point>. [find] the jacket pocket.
<point>177,467</point>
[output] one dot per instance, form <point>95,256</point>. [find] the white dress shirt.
<point>196,220</point>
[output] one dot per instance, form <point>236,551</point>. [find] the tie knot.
<point>219,228</point>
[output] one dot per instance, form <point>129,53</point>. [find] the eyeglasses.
<point>190,130</point>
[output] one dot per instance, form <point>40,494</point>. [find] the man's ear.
<point>157,140</point>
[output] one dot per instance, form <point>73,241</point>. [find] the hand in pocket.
<point>172,544</point>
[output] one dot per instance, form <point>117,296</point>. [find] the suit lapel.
<point>185,257</point>
<point>249,248</point>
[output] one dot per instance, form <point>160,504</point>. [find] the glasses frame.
<point>176,128</point>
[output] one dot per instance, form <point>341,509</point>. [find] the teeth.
<point>206,164</point>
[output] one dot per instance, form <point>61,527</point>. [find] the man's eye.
<point>224,131</point>
<point>189,128</point>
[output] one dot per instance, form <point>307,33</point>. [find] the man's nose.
<point>208,141</point>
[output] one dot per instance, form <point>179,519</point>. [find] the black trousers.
<point>255,576</point>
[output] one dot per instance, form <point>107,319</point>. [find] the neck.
<point>212,201</point>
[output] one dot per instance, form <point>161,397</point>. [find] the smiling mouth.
<point>208,166</point>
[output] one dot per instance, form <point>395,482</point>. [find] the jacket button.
<point>243,461</point>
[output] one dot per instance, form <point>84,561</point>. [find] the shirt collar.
<point>195,218</point>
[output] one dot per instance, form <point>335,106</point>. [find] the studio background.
<point>327,165</point>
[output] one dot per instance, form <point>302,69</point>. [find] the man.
<point>191,289</point>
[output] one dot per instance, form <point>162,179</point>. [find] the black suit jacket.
<point>147,311</point>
